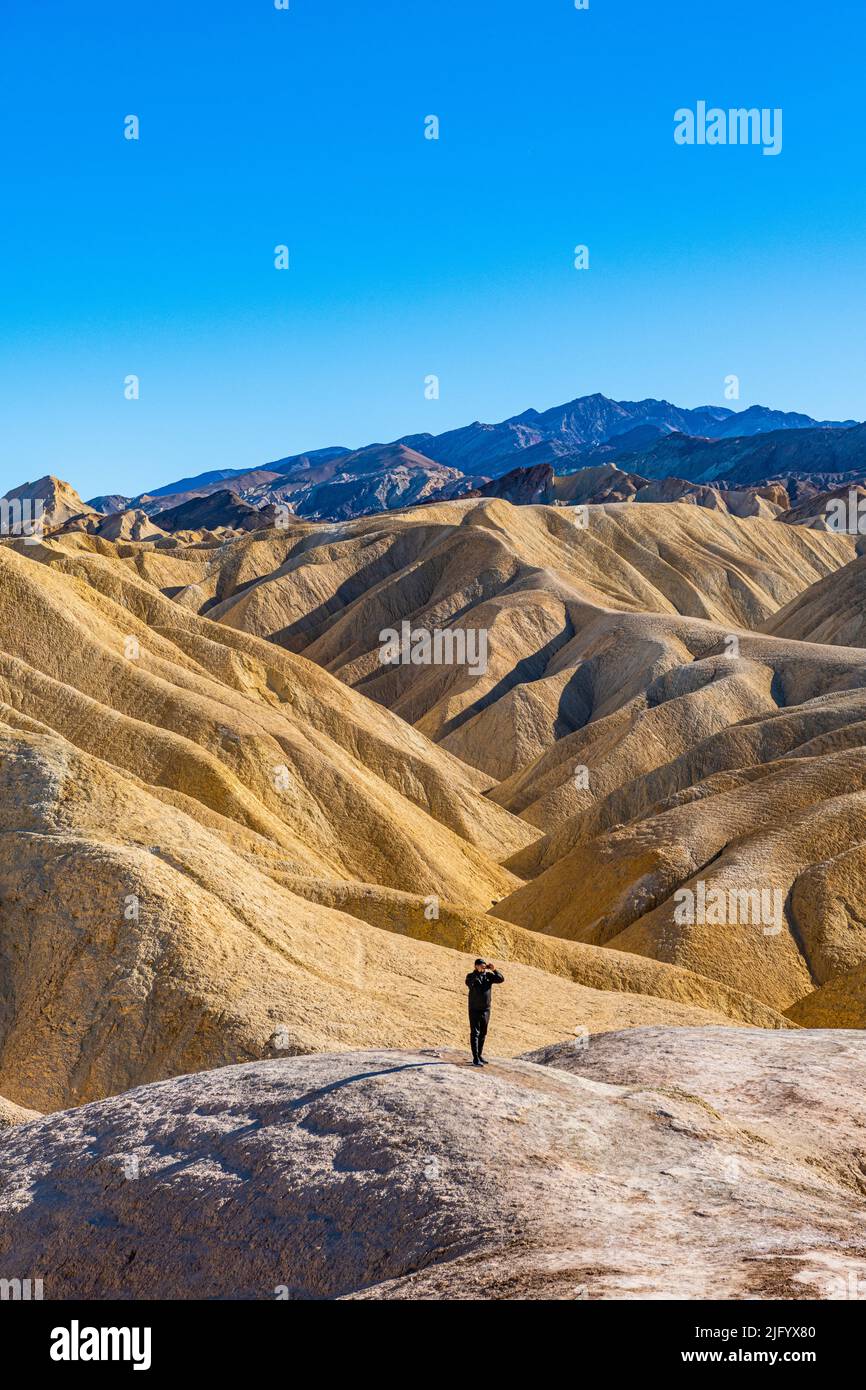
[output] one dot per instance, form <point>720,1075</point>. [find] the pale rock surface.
<point>656,1164</point>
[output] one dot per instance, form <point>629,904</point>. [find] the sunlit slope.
<point>537,582</point>
<point>140,940</point>
<point>209,843</point>
<point>833,610</point>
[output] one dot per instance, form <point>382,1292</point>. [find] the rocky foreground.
<point>653,1163</point>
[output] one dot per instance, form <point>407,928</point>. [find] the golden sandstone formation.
<point>231,833</point>
<point>15,1114</point>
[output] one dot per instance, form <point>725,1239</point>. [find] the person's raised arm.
<point>498,977</point>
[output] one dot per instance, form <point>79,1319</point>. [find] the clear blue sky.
<point>409,256</point>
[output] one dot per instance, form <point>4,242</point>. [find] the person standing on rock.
<point>480,982</point>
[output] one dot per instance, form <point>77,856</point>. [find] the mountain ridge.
<point>651,439</point>
<point>479,451</point>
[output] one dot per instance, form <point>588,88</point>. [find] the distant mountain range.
<point>590,422</point>
<point>800,452</point>
<point>564,435</point>
<point>651,439</point>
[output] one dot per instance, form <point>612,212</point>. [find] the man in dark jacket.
<point>479,982</point>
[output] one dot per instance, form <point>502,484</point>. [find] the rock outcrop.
<point>657,1163</point>
<point>50,501</point>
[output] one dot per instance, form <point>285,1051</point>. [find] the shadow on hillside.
<point>313,1096</point>
<point>529,668</point>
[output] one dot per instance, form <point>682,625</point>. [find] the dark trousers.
<point>478,1021</point>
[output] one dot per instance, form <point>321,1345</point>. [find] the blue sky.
<point>411,257</point>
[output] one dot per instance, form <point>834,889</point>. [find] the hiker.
<point>479,982</point>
